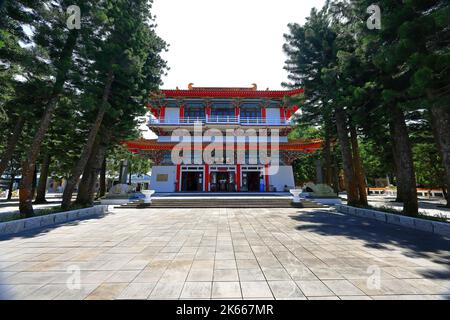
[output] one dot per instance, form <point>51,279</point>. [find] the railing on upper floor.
<point>245,121</point>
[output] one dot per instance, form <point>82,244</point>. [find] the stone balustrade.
<point>440,228</point>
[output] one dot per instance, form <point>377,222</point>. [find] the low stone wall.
<point>16,226</point>
<point>440,228</point>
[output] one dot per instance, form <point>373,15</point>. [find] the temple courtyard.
<point>225,254</point>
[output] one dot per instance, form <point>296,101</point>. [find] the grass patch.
<point>420,215</point>
<point>42,212</point>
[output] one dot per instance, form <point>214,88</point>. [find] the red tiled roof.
<point>230,93</point>
<point>153,144</point>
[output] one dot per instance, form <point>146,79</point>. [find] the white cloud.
<point>227,43</point>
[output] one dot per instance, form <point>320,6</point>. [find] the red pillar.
<point>162,113</point>
<point>206,177</point>
<point>282,114</point>
<point>181,112</point>
<point>263,114</point>
<point>178,178</point>
<point>266,177</point>
<point>237,111</point>
<point>238,177</point>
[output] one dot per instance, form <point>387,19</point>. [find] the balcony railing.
<point>255,121</point>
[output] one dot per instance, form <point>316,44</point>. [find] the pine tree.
<point>53,34</point>
<point>129,59</point>
<point>312,52</point>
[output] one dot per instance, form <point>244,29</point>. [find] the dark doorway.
<point>222,181</point>
<point>253,181</point>
<point>192,181</point>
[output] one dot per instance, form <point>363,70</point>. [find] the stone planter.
<point>296,194</point>
<point>148,195</point>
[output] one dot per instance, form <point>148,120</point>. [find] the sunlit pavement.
<point>225,254</point>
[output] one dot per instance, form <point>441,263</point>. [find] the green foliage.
<point>139,164</point>
<point>306,132</point>
<point>115,36</point>
<point>428,165</point>
<point>305,169</point>
<point>341,63</point>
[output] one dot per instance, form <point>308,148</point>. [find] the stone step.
<point>220,203</point>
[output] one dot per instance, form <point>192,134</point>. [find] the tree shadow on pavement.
<point>379,235</point>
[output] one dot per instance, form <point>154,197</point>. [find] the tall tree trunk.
<point>11,186</point>
<point>34,184</point>
<point>28,166</point>
<point>327,156</point>
<point>81,163</point>
<point>359,171</point>
<point>97,171</point>
<point>344,141</point>
<point>335,175</point>
<point>102,191</point>
<point>129,172</point>
<point>86,190</point>
<point>398,172</point>
<point>11,145</point>
<point>83,187</point>
<point>441,123</point>
<point>42,186</point>
<point>405,169</point>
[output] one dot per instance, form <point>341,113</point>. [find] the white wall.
<point>284,176</point>
<point>172,114</point>
<point>167,186</point>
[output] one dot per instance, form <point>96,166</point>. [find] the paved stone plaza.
<point>225,254</point>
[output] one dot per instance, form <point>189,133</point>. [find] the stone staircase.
<point>222,202</point>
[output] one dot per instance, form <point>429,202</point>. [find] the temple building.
<point>222,140</point>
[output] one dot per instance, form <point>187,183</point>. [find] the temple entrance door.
<point>192,181</point>
<point>222,181</point>
<point>253,181</point>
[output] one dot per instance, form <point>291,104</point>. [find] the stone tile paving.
<point>225,254</point>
